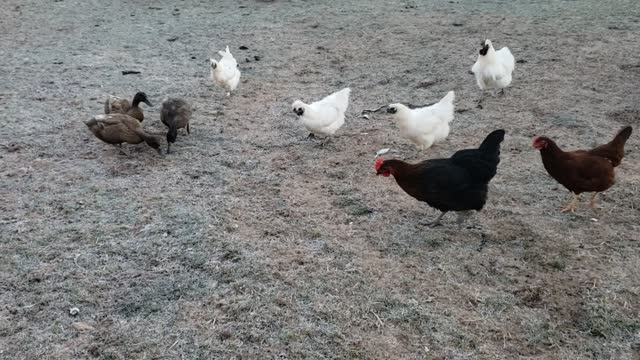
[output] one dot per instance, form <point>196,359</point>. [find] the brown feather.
<point>120,128</point>
<point>614,150</point>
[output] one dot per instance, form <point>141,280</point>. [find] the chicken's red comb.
<point>379,163</point>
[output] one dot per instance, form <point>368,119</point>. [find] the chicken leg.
<point>572,206</point>
<point>417,153</point>
<point>324,141</point>
<point>593,204</point>
<point>435,222</point>
<point>463,216</point>
<point>479,101</point>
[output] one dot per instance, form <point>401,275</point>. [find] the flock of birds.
<point>459,183</point>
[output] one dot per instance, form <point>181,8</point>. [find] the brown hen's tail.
<point>614,150</point>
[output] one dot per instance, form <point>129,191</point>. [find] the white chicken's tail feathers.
<point>343,94</point>
<point>342,99</point>
<point>444,108</point>
<point>224,52</point>
<point>448,98</point>
<point>339,99</point>
<point>506,58</point>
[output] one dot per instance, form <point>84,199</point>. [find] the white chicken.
<point>427,125</point>
<point>225,73</point>
<point>493,68</point>
<point>326,116</point>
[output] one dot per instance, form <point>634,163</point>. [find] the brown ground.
<point>251,242</point>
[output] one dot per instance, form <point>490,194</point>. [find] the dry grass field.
<point>249,241</point>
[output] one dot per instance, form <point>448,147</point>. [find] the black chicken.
<point>459,183</point>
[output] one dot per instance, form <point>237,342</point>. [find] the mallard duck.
<point>116,105</point>
<point>121,128</point>
<point>175,114</point>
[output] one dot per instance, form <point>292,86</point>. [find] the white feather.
<point>493,70</point>
<point>326,116</point>
<point>381,152</point>
<point>428,125</point>
<point>225,72</point>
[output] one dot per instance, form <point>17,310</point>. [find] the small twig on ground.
<point>380,322</point>
<point>174,344</point>
<point>369,111</point>
<point>75,261</point>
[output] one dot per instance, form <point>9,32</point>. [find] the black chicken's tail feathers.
<point>492,142</point>
<point>481,163</point>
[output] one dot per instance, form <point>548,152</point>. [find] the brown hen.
<point>583,170</point>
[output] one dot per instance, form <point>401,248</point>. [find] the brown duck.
<point>116,129</point>
<point>115,105</point>
<point>175,114</point>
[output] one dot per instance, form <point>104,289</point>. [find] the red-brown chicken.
<point>583,170</point>
<point>459,183</point>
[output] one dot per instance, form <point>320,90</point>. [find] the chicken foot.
<point>325,141</point>
<point>435,222</point>
<point>572,206</point>
<point>463,216</point>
